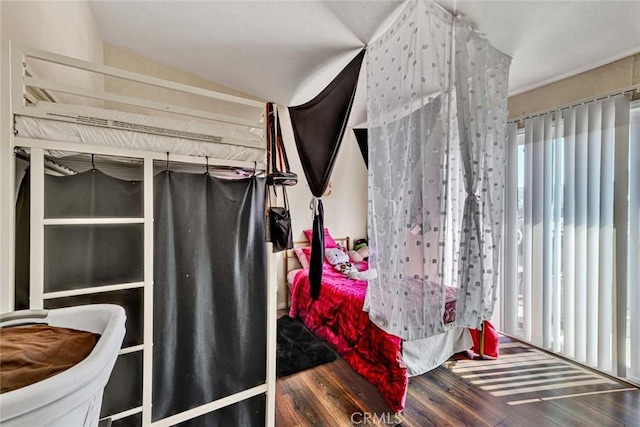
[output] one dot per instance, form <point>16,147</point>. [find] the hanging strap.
<point>284,197</point>
<point>282,176</point>
<point>281,157</point>
<point>280,141</point>
<point>272,135</point>
<point>268,136</point>
<point>277,142</point>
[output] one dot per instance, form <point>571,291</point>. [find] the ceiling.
<point>287,51</point>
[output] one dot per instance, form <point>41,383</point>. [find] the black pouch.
<point>280,231</point>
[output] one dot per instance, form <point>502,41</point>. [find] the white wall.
<point>345,209</point>
<point>63,27</point>
<point>592,83</point>
<point>121,58</point>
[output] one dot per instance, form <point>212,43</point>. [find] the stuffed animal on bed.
<point>360,251</point>
<point>341,263</point>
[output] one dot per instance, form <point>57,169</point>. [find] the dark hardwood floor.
<point>524,387</point>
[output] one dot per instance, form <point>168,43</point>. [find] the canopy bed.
<point>145,212</point>
<point>436,130</point>
<point>336,316</point>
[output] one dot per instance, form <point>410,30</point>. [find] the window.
<point>577,192</point>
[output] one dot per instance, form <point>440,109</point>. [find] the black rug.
<point>298,349</point>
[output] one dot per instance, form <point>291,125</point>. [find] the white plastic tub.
<point>73,397</point>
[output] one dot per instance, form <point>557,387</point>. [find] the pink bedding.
<point>338,318</point>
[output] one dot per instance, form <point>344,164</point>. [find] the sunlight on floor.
<point>533,375</point>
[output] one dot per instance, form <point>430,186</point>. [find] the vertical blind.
<point>573,220</point>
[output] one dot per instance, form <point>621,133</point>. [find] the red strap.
<point>279,148</point>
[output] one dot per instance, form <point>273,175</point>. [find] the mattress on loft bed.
<point>110,128</point>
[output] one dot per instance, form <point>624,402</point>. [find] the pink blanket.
<point>338,318</point>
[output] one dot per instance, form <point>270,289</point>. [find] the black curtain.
<point>101,254</point>
<point>318,128</point>
<point>319,125</point>
<point>362,136</point>
<point>22,244</point>
<point>210,281</point>
<point>80,256</point>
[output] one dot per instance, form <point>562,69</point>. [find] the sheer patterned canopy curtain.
<point>436,105</point>
<point>482,75</point>
<point>571,287</point>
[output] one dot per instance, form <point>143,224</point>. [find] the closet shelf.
<point>92,221</point>
<point>92,290</point>
<point>131,349</point>
<point>123,414</point>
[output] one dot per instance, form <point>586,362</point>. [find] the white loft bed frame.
<point>19,87</point>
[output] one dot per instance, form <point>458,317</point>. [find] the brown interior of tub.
<point>32,353</point>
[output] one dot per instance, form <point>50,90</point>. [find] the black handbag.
<point>277,177</point>
<point>280,232</point>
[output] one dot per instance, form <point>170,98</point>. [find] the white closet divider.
<point>147,355</point>
<point>36,272</point>
<point>272,300</point>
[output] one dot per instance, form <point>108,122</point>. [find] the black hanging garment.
<point>362,136</point>
<point>318,127</point>
<point>209,298</point>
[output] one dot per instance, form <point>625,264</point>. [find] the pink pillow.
<point>304,256</point>
<point>328,240</point>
